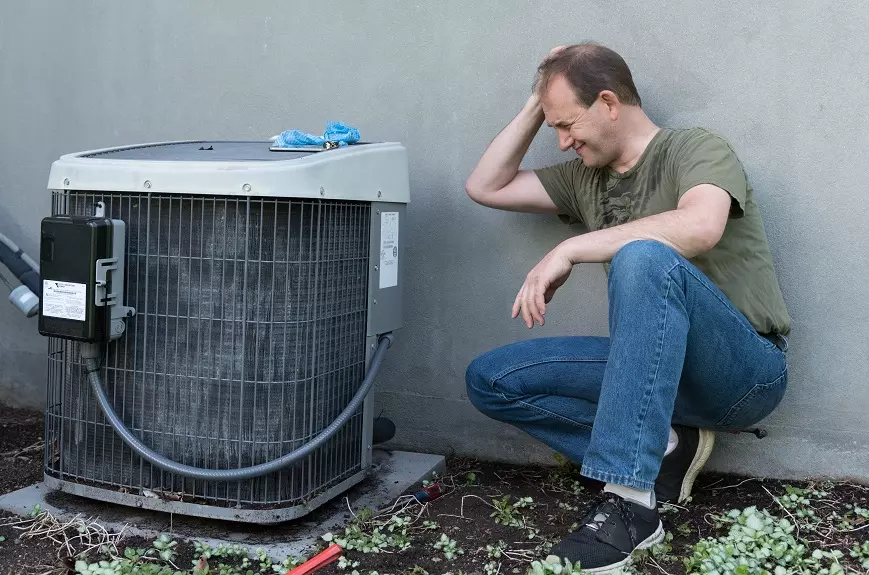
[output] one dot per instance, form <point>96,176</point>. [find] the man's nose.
<point>565,141</point>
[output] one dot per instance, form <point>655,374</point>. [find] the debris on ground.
<point>477,518</point>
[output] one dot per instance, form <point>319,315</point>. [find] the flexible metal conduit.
<point>90,354</point>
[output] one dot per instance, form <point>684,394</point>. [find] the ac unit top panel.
<point>202,151</point>
<point>364,172</point>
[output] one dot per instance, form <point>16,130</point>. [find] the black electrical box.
<point>69,249</point>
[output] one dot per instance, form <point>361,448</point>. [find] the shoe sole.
<point>615,568</point>
<point>705,443</point>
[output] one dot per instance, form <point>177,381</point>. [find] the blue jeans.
<point>678,352</point>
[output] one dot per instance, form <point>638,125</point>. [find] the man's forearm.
<point>502,158</point>
<point>676,228</point>
<point>694,227</point>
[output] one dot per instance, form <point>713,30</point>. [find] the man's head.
<point>584,90</point>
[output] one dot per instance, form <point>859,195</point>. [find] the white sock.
<point>672,442</point>
<point>644,498</point>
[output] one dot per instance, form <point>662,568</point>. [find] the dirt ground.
<point>21,465</point>
<point>482,520</point>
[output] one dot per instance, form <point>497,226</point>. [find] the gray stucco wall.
<point>784,84</point>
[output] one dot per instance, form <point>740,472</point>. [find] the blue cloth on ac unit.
<point>335,132</point>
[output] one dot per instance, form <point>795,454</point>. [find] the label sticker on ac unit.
<point>388,249</point>
<point>66,300</point>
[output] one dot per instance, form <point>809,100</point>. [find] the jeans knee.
<point>479,386</point>
<point>642,256</point>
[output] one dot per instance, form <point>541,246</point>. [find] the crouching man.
<point>697,322</point>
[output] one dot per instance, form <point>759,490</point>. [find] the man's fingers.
<point>530,302</point>
<point>537,291</point>
<point>533,310</point>
<point>522,301</point>
<point>555,51</point>
<point>526,311</point>
<point>540,300</point>
<point>517,303</point>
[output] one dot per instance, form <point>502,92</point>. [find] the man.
<point>696,317</point>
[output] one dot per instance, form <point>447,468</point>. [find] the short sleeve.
<point>707,158</point>
<point>558,181</point>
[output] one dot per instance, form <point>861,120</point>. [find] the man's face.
<point>589,131</point>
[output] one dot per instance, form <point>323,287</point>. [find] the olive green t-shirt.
<point>675,161</point>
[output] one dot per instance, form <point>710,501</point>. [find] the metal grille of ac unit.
<point>249,340</point>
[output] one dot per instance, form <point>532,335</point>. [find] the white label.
<point>388,249</point>
<point>65,300</point>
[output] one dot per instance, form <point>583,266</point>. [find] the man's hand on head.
<point>552,53</point>
<point>555,51</point>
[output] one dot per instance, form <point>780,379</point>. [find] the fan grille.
<point>249,339</point>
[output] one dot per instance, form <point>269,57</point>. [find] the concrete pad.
<point>393,472</point>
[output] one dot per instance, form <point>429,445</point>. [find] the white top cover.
<point>366,172</point>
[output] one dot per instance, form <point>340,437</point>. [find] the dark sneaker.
<point>610,532</point>
<point>680,468</point>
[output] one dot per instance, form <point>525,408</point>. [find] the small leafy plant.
<point>507,513</point>
<point>344,563</point>
<point>759,543</point>
<point>448,547</point>
<point>470,480</point>
<point>158,559</point>
<point>496,551</point>
<point>861,554</point>
<point>391,536</point>
<point>553,566</point>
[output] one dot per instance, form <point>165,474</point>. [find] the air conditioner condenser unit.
<point>217,312</point>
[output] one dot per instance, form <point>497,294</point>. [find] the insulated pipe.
<point>14,247</point>
<point>20,264</point>
<point>91,353</point>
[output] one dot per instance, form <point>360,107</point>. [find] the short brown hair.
<point>590,69</point>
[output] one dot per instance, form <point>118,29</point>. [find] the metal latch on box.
<point>109,278</point>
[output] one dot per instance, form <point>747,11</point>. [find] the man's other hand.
<point>552,53</point>
<point>540,285</point>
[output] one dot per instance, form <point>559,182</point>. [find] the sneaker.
<point>680,468</point>
<point>610,532</point>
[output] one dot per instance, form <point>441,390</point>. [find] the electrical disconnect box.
<point>82,268</point>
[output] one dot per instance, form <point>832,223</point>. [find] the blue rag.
<point>335,132</point>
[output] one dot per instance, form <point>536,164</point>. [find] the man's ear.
<point>611,103</point>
